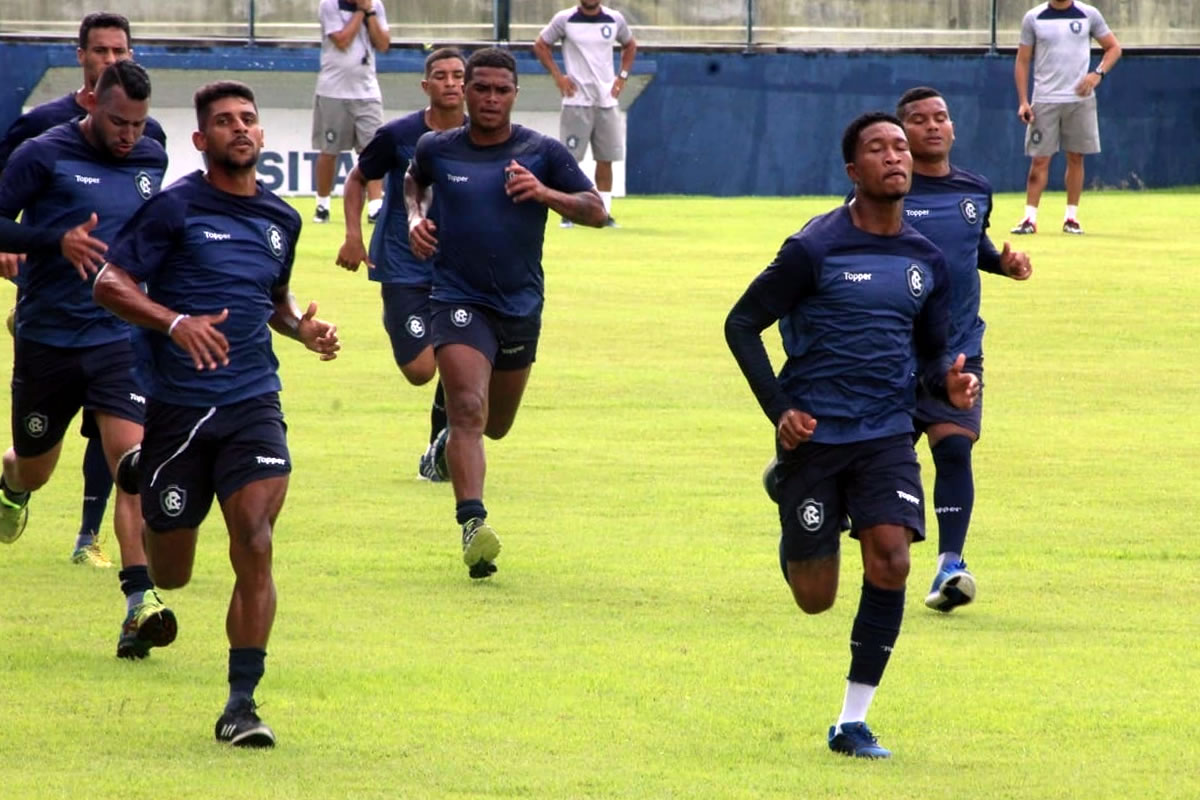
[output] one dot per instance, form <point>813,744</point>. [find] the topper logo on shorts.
<point>910,498</point>
<point>172,500</point>
<point>811,514</point>
<point>415,327</point>
<point>461,317</point>
<point>270,461</point>
<point>36,425</point>
<point>916,280</point>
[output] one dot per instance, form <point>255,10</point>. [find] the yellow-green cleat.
<point>148,624</point>
<point>481,545</point>
<point>13,517</point>
<point>92,555</point>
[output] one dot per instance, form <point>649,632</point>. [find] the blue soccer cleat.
<point>953,586</point>
<point>855,739</point>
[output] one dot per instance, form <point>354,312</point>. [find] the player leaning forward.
<point>858,293</point>
<point>215,251</point>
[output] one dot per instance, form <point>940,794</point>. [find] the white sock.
<point>373,206</point>
<point>1072,213</point>
<point>947,558</point>
<point>1031,213</point>
<point>607,198</point>
<point>323,202</point>
<point>857,702</point>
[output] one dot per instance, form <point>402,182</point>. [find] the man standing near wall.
<point>590,90</point>
<point>1056,36</point>
<point>348,106</point>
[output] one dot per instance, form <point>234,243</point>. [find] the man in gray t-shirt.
<point>1056,37</point>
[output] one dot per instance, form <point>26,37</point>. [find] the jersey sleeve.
<point>27,174</point>
<point>378,158</point>
<point>624,35</point>
<point>142,245</point>
<point>18,132</point>
<point>1098,27</point>
<point>1028,33</point>
<point>931,330</point>
<point>285,274</point>
<point>330,18</point>
<point>564,173</point>
<point>988,257</point>
<point>422,162</point>
<point>555,30</point>
<point>787,280</point>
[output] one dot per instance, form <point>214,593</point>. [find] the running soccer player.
<point>215,250</point>
<point>493,183</point>
<point>77,184</point>
<point>952,208</point>
<point>856,292</point>
<point>404,279</point>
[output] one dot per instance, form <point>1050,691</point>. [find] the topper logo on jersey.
<point>916,213</point>
<point>916,280</point>
<point>275,241</point>
<point>145,186</point>
<point>969,210</point>
<point>214,236</point>
<point>811,514</point>
<point>857,277</point>
<point>87,179</point>
<point>460,317</point>
<point>1076,26</point>
<point>415,326</point>
<point>172,500</point>
<point>456,178</point>
<point>36,425</point>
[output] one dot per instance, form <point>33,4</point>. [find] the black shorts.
<point>932,410</point>
<point>406,320</point>
<point>510,343</point>
<point>51,384</point>
<point>190,454</point>
<point>876,482</point>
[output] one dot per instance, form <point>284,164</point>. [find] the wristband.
<point>367,14</point>
<point>179,318</point>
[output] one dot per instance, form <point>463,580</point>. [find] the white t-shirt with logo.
<point>343,74</point>
<point>588,42</point>
<point>1061,40</point>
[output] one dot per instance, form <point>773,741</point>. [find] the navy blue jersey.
<point>200,250</point>
<point>387,156</point>
<point>954,212</point>
<point>58,179</point>
<point>42,118</point>
<point>490,248</point>
<point>854,310</point>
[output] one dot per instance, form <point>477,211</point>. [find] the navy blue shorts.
<point>406,320</point>
<point>191,454</point>
<point>932,410</point>
<point>876,482</point>
<point>508,342</point>
<point>51,384</point>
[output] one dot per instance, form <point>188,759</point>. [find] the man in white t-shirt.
<point>590,88</point>
<point>348,106</point>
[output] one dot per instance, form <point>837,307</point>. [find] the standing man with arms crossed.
<point>405,279</point>
<point>952,208</point>
<point>856,292</point>
<point>493,182</point>
<point>347,106</point>
<point>103,39</point>
<point>215,250</point>
<point>77,184</point>
<point>590,90</point>
<point>1056,37</point>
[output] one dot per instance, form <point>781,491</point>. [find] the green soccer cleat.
<point>148,624</point>
<point>13,517</point>
<point>480,543</point>
<point>92,555</point>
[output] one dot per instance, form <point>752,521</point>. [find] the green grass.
<point>638,640</point>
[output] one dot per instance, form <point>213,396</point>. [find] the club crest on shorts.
<point>330,135</point>
<point>415,327</point>
<point>969,210</point>
<point>811,514</point>
<point>461,317</point>
<point>1035,136</point>
<point>572,142</point>
<point>172,500</point>
<point>144,184</point>
<point>916,280</point>
<point>36,424</point>
<point>275,241</point>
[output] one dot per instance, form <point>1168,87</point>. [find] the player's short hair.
<point>492,57</point>
<point>441,54</point>
<point>102,19</point>
<point>131,77</point>
<point>912,96</point>
<point>858,125</point>
<point>210,93</point>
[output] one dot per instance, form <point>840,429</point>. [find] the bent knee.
<point>168,576</point>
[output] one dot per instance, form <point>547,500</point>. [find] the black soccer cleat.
<point>482,569</point>
<point>241,727</point>
<point>129,474</point>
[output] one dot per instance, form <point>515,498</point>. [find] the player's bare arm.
<point>1021,76</point>
<point>315,334</point>
<point>1015,263</point>
<point>1112,52</point>
<point>584,207</point>
<point>352,252</point>
<point>628,53</point>
<point>422,232</point>
<point>545,55</point>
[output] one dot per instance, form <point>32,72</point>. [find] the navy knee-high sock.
<point>97,485</point>
<point>953,491</point>
<point>437,412</point>
<point>874,633</point>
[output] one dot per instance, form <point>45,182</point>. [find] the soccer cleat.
<point>148,624</point>
<point>128,472</point>
<point>440,467</point>
<point>241,727</point>
<point>482,569</point>
<point>953,586</point>
<point>321,215</point>
<point>855,739</point>
<point>479,542</point>
<point>1071,226</point>
<point>91,554</point>
<point>372,218</point>
<point>13,517</point>
<point>770,481</point>
<point>427,469</point>
<point>566,223</point>
<point>611,223</point>
<point>1026,226</point>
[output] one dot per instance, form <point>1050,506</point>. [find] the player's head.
<point>927,123</point>
<point>228,129</point>
<point>589,5</point>
<point>445,71</point>
<point>491,78</point>
<point>103,39</point>
<point>118,107</point>
<point>877,157</point>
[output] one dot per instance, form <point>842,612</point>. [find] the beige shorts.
<point>1072,127</point>
<point>600,127</point>
<point>340,125</point>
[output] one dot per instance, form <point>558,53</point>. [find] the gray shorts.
<point>1072,127</point>
<point>340,125</point>
<point>601,127</point>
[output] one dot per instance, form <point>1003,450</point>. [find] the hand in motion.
<point>422,238</point>
<point>1025,112</point>
<point>795,427</point>
<point>351,254</point>
<point>10,264</point>
<point>318,335</point>
<point>520,184</point>
<point>85,252</point>
<point>1015,264</point>
<point>961,387</point>
<point>199,336</point>
<point>566,86</point>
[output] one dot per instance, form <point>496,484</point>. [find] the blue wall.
<point>770,124</point>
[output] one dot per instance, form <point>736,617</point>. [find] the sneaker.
<point>479,542</point>
<point>566,223</point>
<point>855,739</point>
<point>92,555</point>
<point>611,223</point>
<point>372,218</point>
<point>1071,226</point>
<point>241,727</point>
<point>13,517</point>
<point>427,469</point>
<point>321,215</point>
<point>148,624</point>
<point>1026,226</point>
<point>128,472</point>
<point>769,481</point>
<point>953,586</point>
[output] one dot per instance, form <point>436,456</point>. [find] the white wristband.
<point>174,322</point>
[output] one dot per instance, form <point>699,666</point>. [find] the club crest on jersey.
<point>811,514</point>
<point>145,186</point>
<point>415,326</point>
<point>275,241</point>
<point>1076,26</point>
<point>916,280</point>
<point>461,317</point>
<point>36,425</point>
<point>606,31</point>
<point>172,500</point>
<point>969,210</point>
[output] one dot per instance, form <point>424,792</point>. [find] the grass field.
<point>638,640</point>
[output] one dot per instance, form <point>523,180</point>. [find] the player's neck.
<point>88,130</point>
<point>938,168</point>
<point>80,94</point>
<point>486,138</point>
<point>587,13</point>
<point>441,119</point>
<point>1061,5</point>
<point>242,182</point>
<point>877,216</point>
